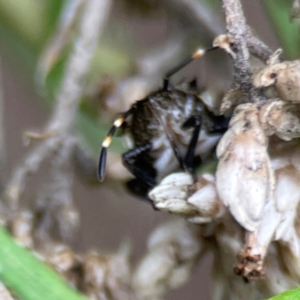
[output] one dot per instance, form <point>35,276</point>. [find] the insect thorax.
<point>162,114</point>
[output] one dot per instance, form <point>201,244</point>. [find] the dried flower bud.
<point>278,221</point>
<point>244,177</point>
<point>171,194</point>
<point>178,194</point>
<point>284,76</point>
<point>206,200</point>
<point>281,118</point>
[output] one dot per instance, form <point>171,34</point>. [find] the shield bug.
<point>169,129</point>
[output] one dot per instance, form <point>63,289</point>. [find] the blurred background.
<point>142,40</point>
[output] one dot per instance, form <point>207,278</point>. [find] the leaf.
<point>288,295</point>
<point>29,278</point>
<point>287,32</point>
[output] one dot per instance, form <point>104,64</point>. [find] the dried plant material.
<point>248,216</point>
<point>206,200</point>
<point>242,154</point>
<point>275,57</point>
<point>4,293</point>
<point>21,227</point>
<point>284,76</point>
<point>279,215</point>
<point>171,194</point>
<point>33,135</point>
<point>230,98</point>
<point>63,117</point>
<point>61,37</point>
<point>173,249</point>
<point>224,42</point>
<point>280,118</point>
<point>198,202</point>
<point>107,277</point>
<point>252,253</point>
<point>62,258</point>
<point>249,265</point>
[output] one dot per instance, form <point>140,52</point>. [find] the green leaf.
<point>288,32</point>
<point>288,295</point>
<point>29,278</point>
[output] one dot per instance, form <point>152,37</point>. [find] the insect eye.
<point>273,75</point>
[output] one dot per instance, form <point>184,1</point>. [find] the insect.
<point>168,129</point>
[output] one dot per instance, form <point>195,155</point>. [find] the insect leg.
<point>137,163</point>
<point>189,159</point>
<point>141,189</point>
<point>107,141</point>
<point>219,124</point>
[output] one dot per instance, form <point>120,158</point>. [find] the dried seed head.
<point>281,118</point>
<point>171,194</point>
<point>249,266</point>
<point>172,250</point>
<point>278,221</point>
<point>22,228</point>
<point>62,258</point>
<point>284,76</point>
<point>107,276</point>
<point>178,194</point>
<point>244,177</point>
<point>206,200</point>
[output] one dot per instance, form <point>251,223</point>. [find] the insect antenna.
<point>197,54</point>
<point>107,141</point>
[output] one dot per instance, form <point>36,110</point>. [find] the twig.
<point>242,42</point>
<point>237,31</point>
<point>60,38</point>
<point>30,164</point>
<point>93,19</point>
<point>59,219</point>
<point>258,48</point>
<point>64,114</point>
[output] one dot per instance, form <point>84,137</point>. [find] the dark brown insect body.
<point>167,130</point>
